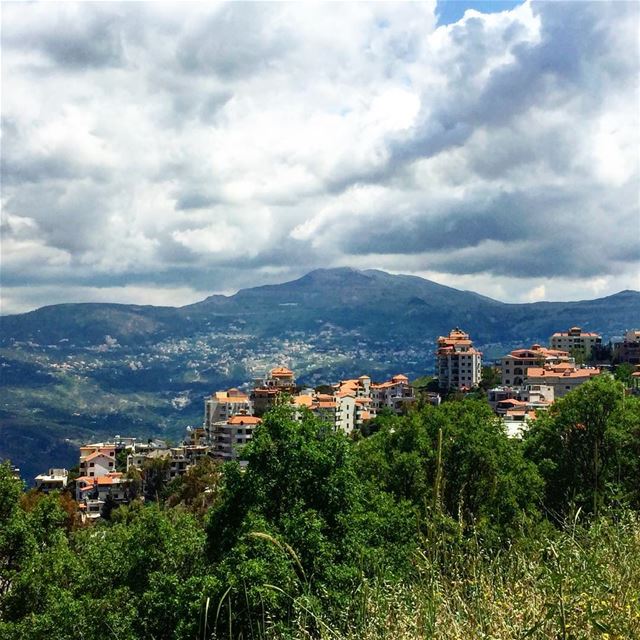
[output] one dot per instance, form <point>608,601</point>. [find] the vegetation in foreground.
<point>433,526</point>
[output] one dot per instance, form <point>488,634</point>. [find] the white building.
<point>222,405</point>
<point>395,394</point>
<point>53,480</point>
<point>458,363</point>
<point>98,464</point>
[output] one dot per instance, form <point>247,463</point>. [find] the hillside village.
<point>531,380</point>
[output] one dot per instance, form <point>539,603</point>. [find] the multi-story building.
<point>53,480</point>
<point>576,340</point>
<point>563,377</point>
<point>513,367</point>
<point>229,436</point>
<point>267,390</point>
<point>98,488</point>
<point>629,349</point>
<point>98,464</point>
<point>535,396</point>
<point>222,405</point>
<point>395,394</point>
<point>458,363</point>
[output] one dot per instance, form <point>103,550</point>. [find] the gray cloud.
<point>217,146</point>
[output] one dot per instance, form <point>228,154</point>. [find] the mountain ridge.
<point>80,371</point>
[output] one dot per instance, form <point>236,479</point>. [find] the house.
<point>575,339</point>
<point>53,480</point>
<point>99,487</point>
<point>458,363</point>
<point>531,397</point>
<point>513,367</point>
<point>98,463</point>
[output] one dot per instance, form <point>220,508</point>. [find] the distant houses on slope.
<point>532,378</point>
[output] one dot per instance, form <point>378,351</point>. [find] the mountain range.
<point>79,371</point>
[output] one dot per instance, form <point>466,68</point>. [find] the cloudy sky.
<point>157,153</point>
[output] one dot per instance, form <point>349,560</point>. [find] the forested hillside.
<point>429,525</point>
<point>77,372</point>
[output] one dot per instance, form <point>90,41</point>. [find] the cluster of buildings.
<point>230,416</point>
<point>531,380</point>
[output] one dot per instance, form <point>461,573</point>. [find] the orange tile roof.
<point>224,397</point>
<point>561,372</point>
<point>240,420</point>
<point>302,401</point>
<point>281,372</point>
<point>96,454</point>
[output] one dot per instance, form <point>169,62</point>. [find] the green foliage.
<point>586,448</point>
<point>490,378</point>
<point>435,524</point>
<point>301,487</point>
<point>623,373</point>
<point>485,481</point>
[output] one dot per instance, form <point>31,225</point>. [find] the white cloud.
<point>213,146</point>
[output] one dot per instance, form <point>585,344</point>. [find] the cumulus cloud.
<point>199,147</point>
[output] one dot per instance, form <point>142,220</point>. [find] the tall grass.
<point>583,582</point>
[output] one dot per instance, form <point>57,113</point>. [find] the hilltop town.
<point>530,380</point>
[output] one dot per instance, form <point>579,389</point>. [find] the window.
<point>91,464</point>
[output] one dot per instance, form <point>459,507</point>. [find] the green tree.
<point>581,446</point>
<point>301,519</point>
<point>623,373</point>
<point>457,458</point>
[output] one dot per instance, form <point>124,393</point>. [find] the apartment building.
<point>575,339</point>
<point>629,349</point>
<point>229,436</point>
<point>395,394</point>
<point>563,377</point>
<point>513,367</point>
<point>458,363</point>
<point>267,390</point>
<point>222,405</point>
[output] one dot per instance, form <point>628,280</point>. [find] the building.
<point>563,377</point>
<point>458,363</point>
<point>98,463</point>
<point>229,436</point>
<point>534,396</point>
<point>269,389</point>
<point>629,349</point>
<point>222,405</point>
<point>98,488</point>
<point>53,480</point>
<point>576,340</point>
<point>395,394</point>
<point>513,367</point>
